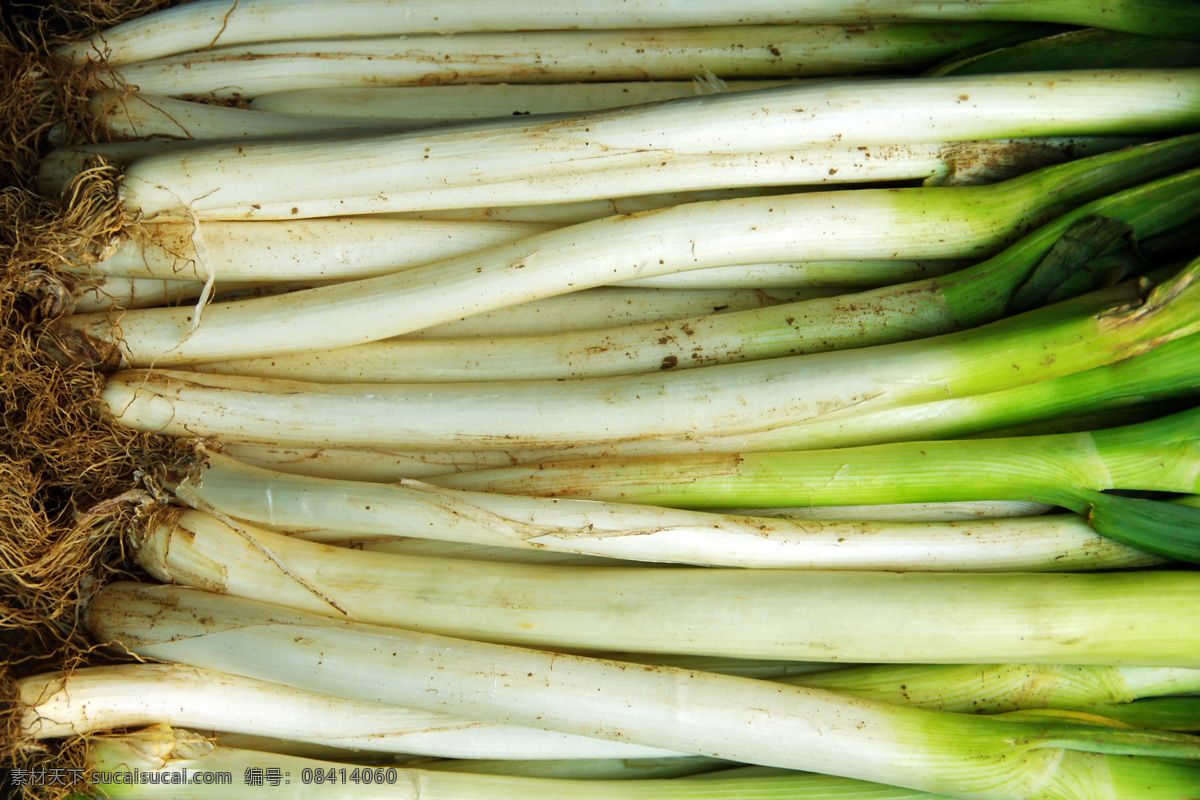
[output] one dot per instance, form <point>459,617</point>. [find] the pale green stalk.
<point>998,689</point>
<point>334,510</point>
<point>735,718</point>
<point>1160,455</point>
<point>199,25</point>
<point>691,143</point>
<point>678,53</point>
<point>855,616</point>
<point>723,400</point>
<point>1164,373</point>
<point>442,104</point>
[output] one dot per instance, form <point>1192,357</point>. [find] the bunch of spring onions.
<point>640,400</point>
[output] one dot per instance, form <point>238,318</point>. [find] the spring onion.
<point>741,51</point>
<point>652,148</point>
<point>200,25</point>
<point>855,616</point>
<point>329,510</point>
<point>961,755</point>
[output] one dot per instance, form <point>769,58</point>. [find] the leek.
<point>1083,49</point>
<point>670,146</point>
<point>856,616</point>
<point>919,222</point>
<point>895,313</point>
<point>960,755</point>
<point>741,51</point>
<point>200,25</point>
<point>727,399</point>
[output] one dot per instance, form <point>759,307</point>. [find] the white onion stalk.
<point>201,25</point>
<point>741,51</point>
<point>723,400</point>
<point>442,104</point>
<point>740,719</point>
<point>929,222</point>
<point>102,698</point>
<point>605,306</point>
<point>363,464</point>
<point>658,147</point>
<point>298,250</point>
<point>328,510</point>
<point>569,182</point>
<point>851,616</point>
<point>136,115</point>
<point>473,552</point>
<point>997,689</point>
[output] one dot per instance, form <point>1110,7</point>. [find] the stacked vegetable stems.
<point>487,402</point>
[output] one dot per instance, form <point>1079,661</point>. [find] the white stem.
<point>848,275</point>
<point>460,550</point>
<point>201,25</point>
<point>574,212</point>
<point>741,51</point>
<point>138,115</point>
<point>433,104</point>
<point>304,249</point>
<point>504,181</point>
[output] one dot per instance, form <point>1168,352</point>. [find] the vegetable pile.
<point>413,399</point>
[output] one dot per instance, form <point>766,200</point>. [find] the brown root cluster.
<point>45,100</point>
<point>72,484</point>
